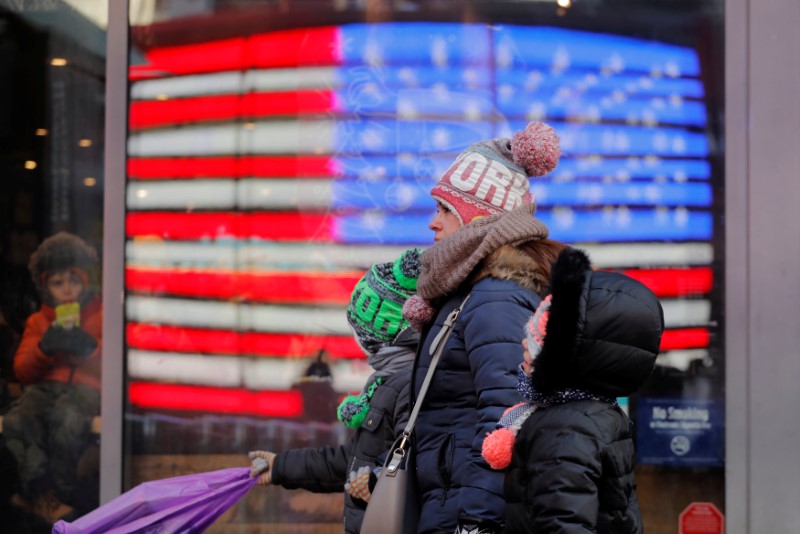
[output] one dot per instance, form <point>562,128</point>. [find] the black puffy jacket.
<point>572,469</point>
<point>325,469</point>
<point>572,472</point>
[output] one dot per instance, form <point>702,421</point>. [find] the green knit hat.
<point>375,311</point>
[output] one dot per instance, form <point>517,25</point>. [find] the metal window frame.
<point>114,172</point>
<point>736,266</point>
<point>762,259</point>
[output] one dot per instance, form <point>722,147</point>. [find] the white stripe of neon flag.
<point>222,193</point>
<point>329,256</point>
<point>182,86</point>
<point>238,371</point>
<point>235,316</point>
<point>230,194</point>
<point>280,373</point>
<point>237,83</point>
<point>678,313</point>
<point>608,256</point>
<point>266,256</point>
<point>273,137</point>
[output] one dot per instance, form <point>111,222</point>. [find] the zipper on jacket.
<point>444,465</point>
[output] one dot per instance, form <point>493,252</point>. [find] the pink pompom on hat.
<point>492,176</point>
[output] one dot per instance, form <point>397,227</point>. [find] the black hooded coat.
<point>572,468</point>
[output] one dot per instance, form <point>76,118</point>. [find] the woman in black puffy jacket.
<point>594,339</point>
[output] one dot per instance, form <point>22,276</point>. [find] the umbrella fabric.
<point>189,503</point>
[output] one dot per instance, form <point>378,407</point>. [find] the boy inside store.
<point>48,429</point>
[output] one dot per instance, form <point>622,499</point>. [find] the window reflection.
<point>52,79</point>
<point>269,166</point>
<point>49,428</point>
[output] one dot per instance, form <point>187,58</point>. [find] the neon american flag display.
<point>267,172</point>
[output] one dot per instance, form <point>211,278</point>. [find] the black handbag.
<point>393,507</point>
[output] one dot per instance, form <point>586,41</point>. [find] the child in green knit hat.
<point>375,315</point>
<point>379,412</point>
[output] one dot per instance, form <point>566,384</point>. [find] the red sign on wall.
<point>701,518</point>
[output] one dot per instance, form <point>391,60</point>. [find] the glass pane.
<point>52,84</point>
<point>277,149</point>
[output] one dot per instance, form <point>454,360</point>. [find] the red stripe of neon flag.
<point>288,48</point>
<point>233,167</point>
<point>209,341</point>
<point>668,283</point>
<point>214,56</point>
<point>221,400</point>
<point>150,114</point>
<point>290,226</point>
<point>685,338</point>
<point>335,288</point>
<point>294,48</point>
<point>283,287</point>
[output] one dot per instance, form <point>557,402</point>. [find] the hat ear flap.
<point>567,281</point>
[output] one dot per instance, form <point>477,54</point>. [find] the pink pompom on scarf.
<point>418,312</point>
<point>498,445</point>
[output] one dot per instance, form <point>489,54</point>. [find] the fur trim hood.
<point>510,263</point>
<point>603,332</point>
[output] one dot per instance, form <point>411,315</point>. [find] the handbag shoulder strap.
<point>394,462</point>
<point>437,346</point>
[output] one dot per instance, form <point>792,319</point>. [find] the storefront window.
<point>277,149</point>
<point>52,83</point>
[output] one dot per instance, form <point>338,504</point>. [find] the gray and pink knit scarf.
<point>448,263</point>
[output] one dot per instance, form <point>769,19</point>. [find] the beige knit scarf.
<point>449,262</point>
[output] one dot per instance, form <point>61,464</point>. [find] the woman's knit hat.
<point>375,312</point>
<point>492,176</point>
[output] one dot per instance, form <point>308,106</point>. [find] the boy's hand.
<point>75,342</point>
<point>261,466</point>
<point>53,341</point>
<point>81,343</point>
<point>358,484</point>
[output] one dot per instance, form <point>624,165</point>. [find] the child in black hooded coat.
<point>594,339</point>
